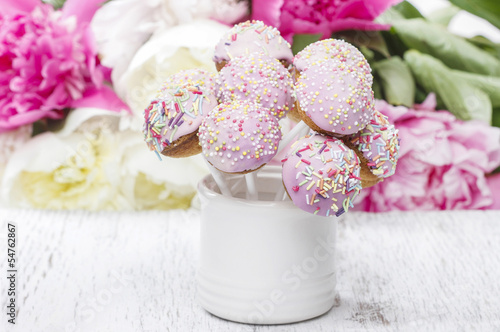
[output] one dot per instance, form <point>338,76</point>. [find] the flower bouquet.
<point>69,80</point>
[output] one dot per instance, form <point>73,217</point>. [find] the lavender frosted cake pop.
<point>173,118</point>
<point>321,175</point>
<point>334,51</point>
<point>334,100</point>
<point>239,137</point>
<point>189,77</point>
<point>377,146</point>
<point>249,37</point>
<point>259,78</point>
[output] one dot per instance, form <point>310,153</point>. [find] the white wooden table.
<point>81,271</point>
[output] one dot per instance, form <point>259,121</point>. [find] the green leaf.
<point>443,16</point>
<point>389,16</point>
<point>369,39</point>
<point>57,4</point>
<point>464,100</point>
<point>407,10</point>
<point>489,84</point>
<point>420,94</point>
<point>39,127</point>
<point>487,9</point>
<point>397,81</point>
<point>453,51</point>
<point>495,119</point>
<point>301,41</point>
<point>486,45</point>
<point>377,89</point>
<point>394,43</point>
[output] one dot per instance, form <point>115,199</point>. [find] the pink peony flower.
<point>442,162</point>
<point>494,184</point>
<point>320,16</point>
<point>48,62</point>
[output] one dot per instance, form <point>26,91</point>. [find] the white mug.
<point>264,261</point>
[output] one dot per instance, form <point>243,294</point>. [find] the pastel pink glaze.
<point>333,51</point>
<point>175,113</point>
<point>335,97</point>
<point>321,175</point>
<point>249,37</point>
<point>239,136</point>
<point>187,77</point>
<point>259,78</point>
<point>379,143</point>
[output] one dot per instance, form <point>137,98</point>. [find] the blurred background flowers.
<point>76,76</point>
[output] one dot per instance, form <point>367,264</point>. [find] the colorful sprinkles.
<point>379,143</point>
<point>239,136</point>
<point>252,36</point>
<point>175,113</point>
<point>259,78</point>
<point>327,182</point>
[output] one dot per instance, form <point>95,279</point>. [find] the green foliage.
<point>397,81</point>
<point>454,51</point>
<point>300,41</point>
<point>461,98</point>
<point>487,9</point>
<point>443,16</point>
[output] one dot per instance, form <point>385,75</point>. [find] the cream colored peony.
<point>10,141</point>
<point>137,20</point>
<point>97,163</point>
<point>167,52</point>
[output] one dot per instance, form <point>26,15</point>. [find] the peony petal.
<point>12,7</point>
<point>104,98</point>
<point>83,10</point>
<point>356,24</point>
<point>429,103</point>
<point>76,118</point>
<point>493,182</point>
<point>26,118</point>
<point>364,9</point>
<point>268,11</point>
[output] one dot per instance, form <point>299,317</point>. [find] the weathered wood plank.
<point>81,271</point>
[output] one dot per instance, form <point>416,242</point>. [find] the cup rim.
<point>206,184</point>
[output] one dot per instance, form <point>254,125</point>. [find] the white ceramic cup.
<point>265,261</point>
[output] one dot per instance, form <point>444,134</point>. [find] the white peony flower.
<point>136,20</point>
<point>10,141</point>
<point>165,53</point>
<point>92,164</point>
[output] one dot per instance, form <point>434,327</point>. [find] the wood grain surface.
<point>82,271</point>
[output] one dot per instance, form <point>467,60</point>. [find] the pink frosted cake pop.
<point>259,78</point>
<point>239,137</point>
<point>249,37</point>
<point>321,175</point>
<point>173,118</point>
<point>189,77</point>
<point>334,100</point>
<point>334,51</point>
<point>377,146</point>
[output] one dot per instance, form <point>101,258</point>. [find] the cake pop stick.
<point>217,175</point>
<point>299,127</point>
<point>280,194</point>
<point>252,193</point>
